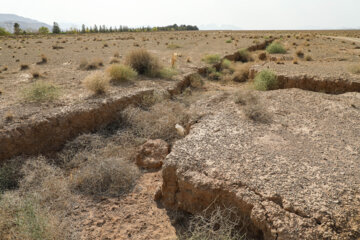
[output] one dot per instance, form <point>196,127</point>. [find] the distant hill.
<point>7,21</point>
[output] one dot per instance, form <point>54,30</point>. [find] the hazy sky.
<point>245,14</point>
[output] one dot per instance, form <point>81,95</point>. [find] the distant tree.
<point>3,32</point>
<point>17,29</point>
<point>43,30</point>
<point>83,29</point>
<point>56,28</point>
<point>96,28</point>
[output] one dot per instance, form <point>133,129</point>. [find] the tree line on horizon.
<point>97,29</point>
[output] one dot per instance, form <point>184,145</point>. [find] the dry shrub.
<point>121,73</point>
<point>143,62</point>
<point>300,53</point>
<point>244,55</point>
<point>241,72</point>
<point>35,73</point>
<point>94,64</point>
<point>167,73</point>
<point>24,67</point>
<point>157,122</point>
<point>37,209</point>
<point>196,80</point>
<point>219,224</point>
<point>109,177</point>
<point>308,58</point>
<point>96,82</point>
<point>262,56</point>
<point>251,106</point>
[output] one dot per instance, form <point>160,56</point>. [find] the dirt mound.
<point>295,177</point>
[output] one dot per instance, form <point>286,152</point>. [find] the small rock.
<point>152,153</point>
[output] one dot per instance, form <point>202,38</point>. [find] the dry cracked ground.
<point>192,157</point>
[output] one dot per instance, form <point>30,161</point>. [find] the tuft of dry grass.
<point>143,62</point>
<point>355,69</point>
<point>244,55</point>
<point>173,46</point>
<point>40,91</point>
<point>109,177</point>
<point>35,73</point>
<point>96,82</point>
<point>121,73</point>
<point>262,56</point>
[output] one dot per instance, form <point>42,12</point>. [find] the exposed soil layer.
<point>52,131</point>
<point>295,177</point>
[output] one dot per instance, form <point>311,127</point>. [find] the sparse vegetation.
<point>41,91</point>
<point>244,55</point>
<point>43,59</point>
<point>121,73</point>
<point>265,80</point>
<point>143,62</point>
<point>220,224</point>
<point>211,58</point>
<point>94,64</point>
<point>96,82</point>
<point>275,47</point>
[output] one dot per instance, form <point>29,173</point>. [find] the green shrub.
<point>275,47</point>
<point>229,41</point>
<point>265,80</point>
<point>121,73</point>
<point>143,62</point>
<point>40,91</point>
<point>211,58</point>
<point>167,73</point>
<point>226,64</point>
